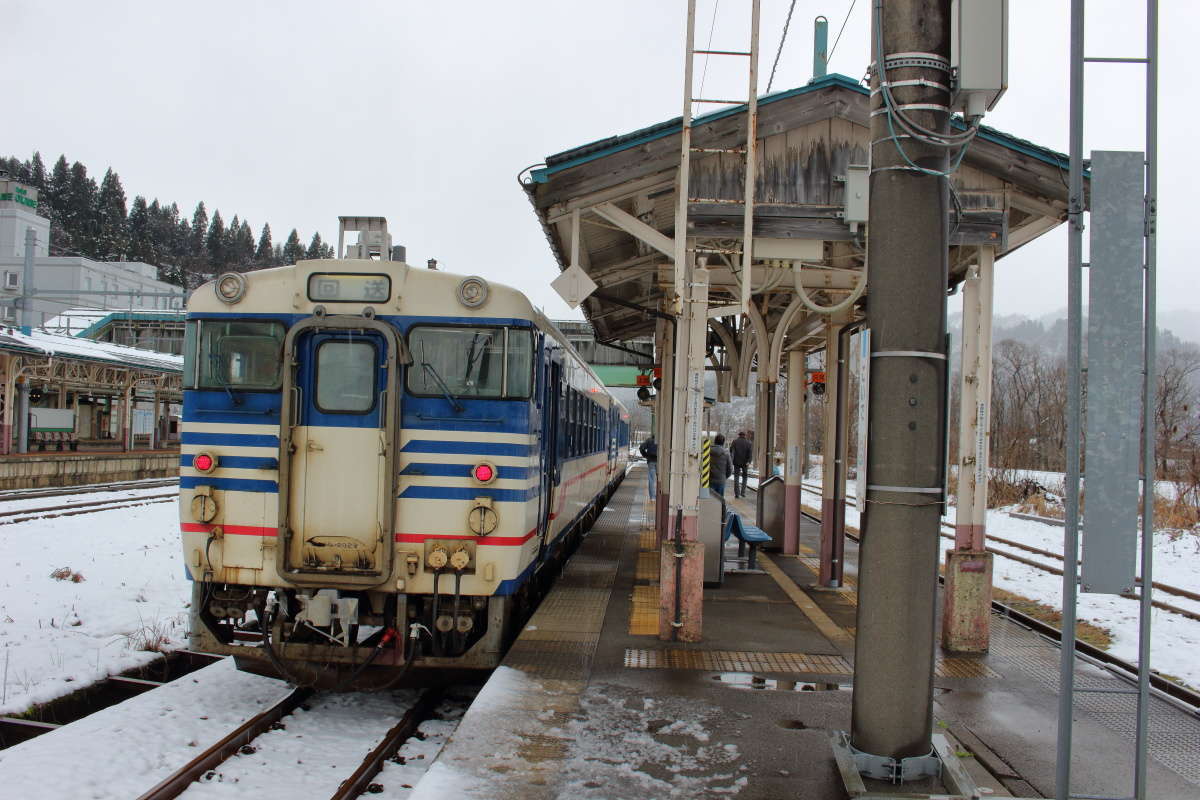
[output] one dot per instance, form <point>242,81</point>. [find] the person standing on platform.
<point>720,466</point>
<point>649,451</point>
<point>741,451</point>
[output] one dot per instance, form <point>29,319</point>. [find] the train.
<point>382,467</point>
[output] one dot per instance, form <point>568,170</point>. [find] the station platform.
<point>589,703</point>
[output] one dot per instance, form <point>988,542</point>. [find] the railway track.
<point>948,533</point>
<point>72,509</point>
<point>1176,693</point>
<point>91,488</point>
<point>239,740</point>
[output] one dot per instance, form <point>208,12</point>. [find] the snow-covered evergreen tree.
<point>112,237</point>
<point>215,243</point>
<point>264,256</point>
<point>293,251</point>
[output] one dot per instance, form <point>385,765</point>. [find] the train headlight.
<point>473,292</point>
<point>484,472</point>
<point>204,462</point>
<point>231,287</point>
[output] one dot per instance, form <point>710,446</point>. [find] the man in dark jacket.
<point>649,451</point>
<point>741,451</point>
<point>720,466</point>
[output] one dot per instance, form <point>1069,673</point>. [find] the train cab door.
<point>336,460</point>
<point>551,464</point>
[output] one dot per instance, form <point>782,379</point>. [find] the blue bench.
<point>746,534</point>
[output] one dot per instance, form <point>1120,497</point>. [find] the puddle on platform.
<point>747,680</point>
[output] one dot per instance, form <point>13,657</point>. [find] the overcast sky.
<point>295,112</point>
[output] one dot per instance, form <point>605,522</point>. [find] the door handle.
<point>313,445</point>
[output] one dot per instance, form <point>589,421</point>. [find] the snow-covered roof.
<point>82,321</point>
<point>62,346</point>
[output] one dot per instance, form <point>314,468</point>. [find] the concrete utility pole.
<point>967,602</point>
<point>893,665</point>
<point>794,471</point>
<point>27,283</point>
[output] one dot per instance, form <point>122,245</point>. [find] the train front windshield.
<point>476,362</point>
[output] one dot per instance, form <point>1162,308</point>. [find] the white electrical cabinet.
<point>978,54</point>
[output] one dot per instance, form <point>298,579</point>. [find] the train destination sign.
<point>341,287</point>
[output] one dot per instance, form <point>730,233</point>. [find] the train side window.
<point>346,376</point>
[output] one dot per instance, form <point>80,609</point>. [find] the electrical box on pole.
<point>978,54</point>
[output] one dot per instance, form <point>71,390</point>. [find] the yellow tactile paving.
<point>643,611</point>
<point>956,667</point>
<point>736,661</point>
<point>828,628</point>
<point>648,540</point>
<point>647,566</point>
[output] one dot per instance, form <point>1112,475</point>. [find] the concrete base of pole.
<point>791,519</point>
<point>967,601</point>
<point>691,596</point>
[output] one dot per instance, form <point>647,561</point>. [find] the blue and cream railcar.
<point>379,464</point>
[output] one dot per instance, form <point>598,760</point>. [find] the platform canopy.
<point>1006,192</point>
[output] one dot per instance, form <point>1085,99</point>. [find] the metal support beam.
<point>664,346</point>
<point>833,458</point>
<point>23,415</point>
<point>794,472</point>
<point>682,556</point>
<point>966,609</point>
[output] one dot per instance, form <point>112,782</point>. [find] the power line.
<point>840,32</point>
<point>782,39</point>
<point>711,28</point>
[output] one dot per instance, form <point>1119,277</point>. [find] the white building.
<point>62,282</point>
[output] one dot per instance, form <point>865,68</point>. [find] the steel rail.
<point>1177,692</point>
<point>176,783</point>
<point>92,504</point>
<point>1162,587</point>
<point>30,514</point>
<point>92,488</point>
<point>360,780</point>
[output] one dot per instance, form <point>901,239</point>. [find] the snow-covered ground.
<point>1175,640</point>
<point>125,749</point>
<point>56,635</point>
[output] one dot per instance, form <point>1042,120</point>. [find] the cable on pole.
<point>782,39</point>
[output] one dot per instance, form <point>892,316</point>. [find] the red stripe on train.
<point>417,538</point>
<point>236,530</point>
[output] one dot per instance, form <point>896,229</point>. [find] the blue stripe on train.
<point>232,484</point>
<point>469,448</point>
<point>236,462</point>
<point>232,408</point>
<point>462,471</point>
<point>230,439</point>
<point>468,493</point>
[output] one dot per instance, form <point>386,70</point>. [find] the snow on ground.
<point>400,774</point>
<point>46,501</point>
<point>56,635</point>
<point>125,749</point>
<point>1174,641</point>
<point>310,752</point>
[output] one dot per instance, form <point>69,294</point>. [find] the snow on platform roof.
<point>83,321</point>
<point>61,346</point>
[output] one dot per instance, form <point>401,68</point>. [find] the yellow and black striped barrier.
<point>705,461</point>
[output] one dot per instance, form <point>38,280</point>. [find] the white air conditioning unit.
<point>12,280</point>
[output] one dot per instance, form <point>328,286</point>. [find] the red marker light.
<point>204,462</point>
<point>484,473</point>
